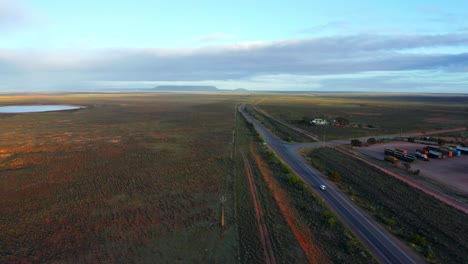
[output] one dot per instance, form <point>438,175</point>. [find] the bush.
<point>342,121</point>
<point>335,176</point>
<point>293,180</point>
<point>285,169</point>
<point>419,240</point>
<point>356,143</point>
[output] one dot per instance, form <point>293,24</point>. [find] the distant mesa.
<point>176,88</point>
<point>193,88</point>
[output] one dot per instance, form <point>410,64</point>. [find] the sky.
<point>304,45</point>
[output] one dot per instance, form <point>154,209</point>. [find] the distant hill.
<point>184,88</point>
<point>240,90</point>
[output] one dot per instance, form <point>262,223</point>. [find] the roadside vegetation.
<point>296,218</point>
<point>281,131</point>
<point>434,229</point>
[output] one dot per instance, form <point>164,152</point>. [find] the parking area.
<point>450,171</point>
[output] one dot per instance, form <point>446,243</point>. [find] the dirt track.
<point>259,214</point>
<point>302,233</point>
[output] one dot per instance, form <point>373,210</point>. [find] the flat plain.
<point>131,178</point>
<point>141,178</point>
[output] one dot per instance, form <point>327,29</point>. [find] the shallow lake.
<point>36,108</point>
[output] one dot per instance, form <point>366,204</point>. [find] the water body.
<point>36,108</point>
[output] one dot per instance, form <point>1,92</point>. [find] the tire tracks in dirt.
<point>300,230</point>
<point>259,215</point>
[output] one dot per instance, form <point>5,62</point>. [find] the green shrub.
<point>293,180</point>
<point>334,176</point>
<point>356,143</point>
<point>419,240</point>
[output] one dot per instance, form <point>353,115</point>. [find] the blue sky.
<point>388,46</point>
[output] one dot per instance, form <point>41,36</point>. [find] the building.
<point>318,121</point>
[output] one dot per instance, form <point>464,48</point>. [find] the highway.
<point>384,246</point>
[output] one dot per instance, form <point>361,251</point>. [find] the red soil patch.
<point>302,233</point>
<point>264,236</point>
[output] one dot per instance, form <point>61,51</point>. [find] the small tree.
<point>356,143</point>
<point>293,180</point>
<point>306,120</point>
<point>335,176</point>
<point>342,121</point>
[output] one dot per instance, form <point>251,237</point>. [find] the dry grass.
<point>131,178</point>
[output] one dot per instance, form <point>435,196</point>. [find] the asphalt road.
<point>380,242</point>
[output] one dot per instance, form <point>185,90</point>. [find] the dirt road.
<point>259,214</point>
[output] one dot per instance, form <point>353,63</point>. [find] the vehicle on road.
<point>323,187</point>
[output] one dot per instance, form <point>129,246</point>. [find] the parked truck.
<point>391,159</point>
<point>404,151</point>
<point>463,150</point>
<point>435,154</point>
<point>421,155</point>
<point>388,151</point>
<point>409,158</point>
<point>423,151</point>
<point>399,154</point>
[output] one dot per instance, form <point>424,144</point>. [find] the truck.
<point>404,151</point>
<point>446,153</point>
<point>391,159</point>
<point>454,151</point>
<point>435,154</point>
<point>463,150</point>
<point>423,151</point>
<point>399,154</point>
<point>409,158</point>
<point>421,155</point>
<point>388,151</point>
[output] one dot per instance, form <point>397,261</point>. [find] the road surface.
<point>385,247</point>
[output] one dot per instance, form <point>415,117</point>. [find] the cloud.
<point>217,36</point>
<point>314,57</point>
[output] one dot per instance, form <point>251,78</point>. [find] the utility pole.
<point>223,200</point>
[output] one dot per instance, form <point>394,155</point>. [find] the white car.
<point>323,187</point>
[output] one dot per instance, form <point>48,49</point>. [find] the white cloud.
<point>299,63</point>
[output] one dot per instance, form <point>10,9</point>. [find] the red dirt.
<point>423,188</point>
<point>264,236</point>
<point>302,233</point>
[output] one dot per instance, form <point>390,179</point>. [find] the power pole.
<point>223,200</point>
